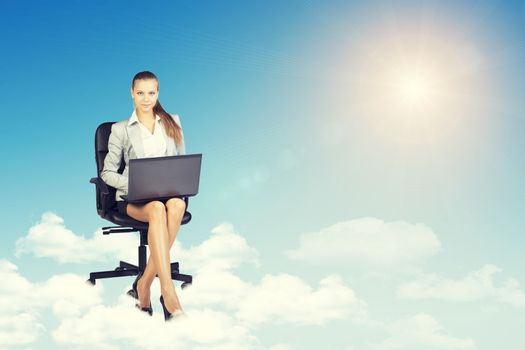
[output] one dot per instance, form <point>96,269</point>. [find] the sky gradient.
<point>362,180</point>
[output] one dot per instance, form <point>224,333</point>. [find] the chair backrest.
<point>105,201</point>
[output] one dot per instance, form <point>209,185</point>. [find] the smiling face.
<point>145,93</point>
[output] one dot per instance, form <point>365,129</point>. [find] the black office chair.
<point>107,209</point>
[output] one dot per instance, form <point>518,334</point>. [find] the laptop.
<point>161,178</point>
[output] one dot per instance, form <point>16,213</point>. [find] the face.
<point>145,94</point>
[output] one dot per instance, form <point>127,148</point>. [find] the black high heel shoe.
<point>168,315</point>
<point>134,293</point>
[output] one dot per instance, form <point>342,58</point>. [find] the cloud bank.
<point>368,241</point>
<point>223,310</point>
<point>477,285</point>
<point>50,238</point>
<point>420,331</point>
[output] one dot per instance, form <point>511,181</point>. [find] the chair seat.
<point>126,221</point>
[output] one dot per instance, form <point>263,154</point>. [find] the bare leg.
<point>168,218</point>
<point>175,209</point>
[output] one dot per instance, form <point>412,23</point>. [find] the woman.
<point>149,132</point>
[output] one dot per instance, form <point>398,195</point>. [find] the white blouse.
<point>154,144</point>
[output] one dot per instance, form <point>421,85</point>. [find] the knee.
<point>156,209</point>
<point>175,206</point>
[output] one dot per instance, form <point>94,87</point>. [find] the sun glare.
<point>411,90</point>
<point>414,90</point>
<point>416,87</point>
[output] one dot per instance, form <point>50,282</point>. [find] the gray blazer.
<point>126,140</point>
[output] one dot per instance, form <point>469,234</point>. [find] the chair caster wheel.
<point>185,285</point>
<point>119,269</point>
<point>90,282</point>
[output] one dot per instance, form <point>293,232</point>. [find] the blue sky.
<point>362,171</point>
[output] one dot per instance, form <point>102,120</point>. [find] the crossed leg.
<point>164,223</point>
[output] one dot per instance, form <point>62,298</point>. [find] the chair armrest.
<point>100,184</point>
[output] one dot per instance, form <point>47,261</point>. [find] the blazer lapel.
<point>136,139</point>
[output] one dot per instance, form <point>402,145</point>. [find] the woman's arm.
<point>112,161</point>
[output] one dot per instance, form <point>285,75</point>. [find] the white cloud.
<point>287,299</point>
<point>224,250</point>
<point>421,331</point>
<point>283,298</point>
<point>20,329</point>
<point>279,298</point>
<point>22,302</point>
<point>65,293</point>
<point>216,287</point>
<point>280,346</point>
<point>477,285</point>
<point>50,238</point>
<point>367,240</point>
<point>85,321</point>
<point>222,309</point>
<point>121,327</point>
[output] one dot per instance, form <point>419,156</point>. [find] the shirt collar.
<point>135,119</point>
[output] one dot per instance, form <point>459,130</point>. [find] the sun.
<point>414,90</point>
<point>416,87</point>
<point>410,90</point>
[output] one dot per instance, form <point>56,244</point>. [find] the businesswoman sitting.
<point>149,132</point>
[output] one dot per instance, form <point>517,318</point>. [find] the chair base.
<point>127,269</point>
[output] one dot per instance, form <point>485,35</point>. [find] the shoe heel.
<point>167,315</point>
<point>133,293</point>
<point>148,310</point>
